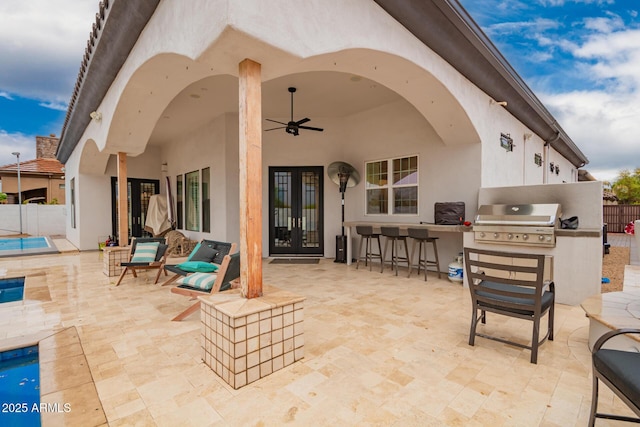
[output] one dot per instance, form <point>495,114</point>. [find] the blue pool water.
<point>22,243</point>
<point>20,387</point>
<point>11,289</point>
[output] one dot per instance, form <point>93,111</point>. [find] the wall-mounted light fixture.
<point>96,116</point>
<point>551,167</point>
<point>537,159</point>
<point>506,141</point>
<point>164,167</point>
<point>557,170</point>
<point>501,103</point>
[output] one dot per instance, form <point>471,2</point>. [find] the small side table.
<point>113,256</point>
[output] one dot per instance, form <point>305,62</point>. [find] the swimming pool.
<point>26,246</point>
<point>11,289</point>
<point>20,387</point>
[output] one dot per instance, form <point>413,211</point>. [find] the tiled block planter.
<point>245,340</point>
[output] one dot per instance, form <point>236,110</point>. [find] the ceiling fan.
<point>293,127</point>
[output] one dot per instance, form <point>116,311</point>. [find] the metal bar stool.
<point>366,235</point>
<point>393,234</point>
<point>420,236</point>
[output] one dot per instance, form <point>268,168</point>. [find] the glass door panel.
<point>295,206</point>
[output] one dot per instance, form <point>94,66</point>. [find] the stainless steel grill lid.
<point>544,215</point>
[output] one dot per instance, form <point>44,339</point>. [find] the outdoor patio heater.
<point>344,175</point>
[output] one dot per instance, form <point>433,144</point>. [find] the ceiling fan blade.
<point>305,120</point>
<point>310,128</point>
<point>275,121</point>
<point>281,127</point>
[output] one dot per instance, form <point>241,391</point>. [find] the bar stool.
<point>420,236</point>
<point>393,234</point>
<point>366,235</point>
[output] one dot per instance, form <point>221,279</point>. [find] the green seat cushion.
<point>198,267</point>
<point>145,252</point>
<point>200,281</point>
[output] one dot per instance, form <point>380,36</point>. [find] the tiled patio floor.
<point>379,350</point>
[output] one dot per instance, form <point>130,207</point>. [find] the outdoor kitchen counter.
<point>580,232</point>
<point>403,226</point>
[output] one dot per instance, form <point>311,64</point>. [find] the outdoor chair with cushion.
<point>206,257</point>
<point>509,284</point>
<point>199,284</point>
<point>145,253</point>
<point>620,371</point>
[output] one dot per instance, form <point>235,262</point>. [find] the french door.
<point>139,191</point>
<point>296,211</point>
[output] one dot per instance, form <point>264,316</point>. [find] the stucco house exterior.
<point>410,92</point>
<point>41,179</point>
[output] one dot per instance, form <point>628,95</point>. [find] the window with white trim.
<point>392,186</point>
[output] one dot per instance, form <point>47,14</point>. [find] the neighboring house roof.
<point>37,166</point>
<point>442,25</point>
<point>608,195</point>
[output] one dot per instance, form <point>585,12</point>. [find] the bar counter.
<point>403,226</point>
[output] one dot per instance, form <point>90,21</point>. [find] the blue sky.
<point>580,57</point>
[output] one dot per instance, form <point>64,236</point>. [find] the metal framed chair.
<point>367,236</point>
<point>509,284</point>
<point>620,371</point>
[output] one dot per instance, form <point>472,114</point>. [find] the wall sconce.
<point>96,116</point>
<point>537,159</point>
<point>557,170</point>
<point>164,167</point>
<point>551,167</point>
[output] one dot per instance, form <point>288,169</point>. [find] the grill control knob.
<point>548,238</point>
<point>482,234</point>
<point>509,236</point>
<point>495,235</point>
<point>525,237</point>
<point>541,237</point>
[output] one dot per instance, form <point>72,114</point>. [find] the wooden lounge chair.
<point>229,271</point>
<point>214,252</point>
<point>509,284</point>
<point>140,262</point>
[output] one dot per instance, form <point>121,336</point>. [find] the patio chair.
<point>620,371</point>
<point>200,284</point>
<point>205,252</point>
<point>145,253</point>
<point>509,284</point>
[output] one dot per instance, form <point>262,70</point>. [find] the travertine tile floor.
<point>379,350</point>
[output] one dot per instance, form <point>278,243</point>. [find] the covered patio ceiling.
<point>319,94</point>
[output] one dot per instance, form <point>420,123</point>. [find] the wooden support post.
<point>123,210</point>
<point>250,117</point>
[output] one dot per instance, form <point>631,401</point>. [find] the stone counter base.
<point>244,340</point>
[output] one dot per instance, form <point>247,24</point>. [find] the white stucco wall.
<point>448,122</point>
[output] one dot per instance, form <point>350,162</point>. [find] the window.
<point>179,203</point>
<point>206,201</point>
<point>192,201</point>
<point>398,196</point>
<point>73,202</point>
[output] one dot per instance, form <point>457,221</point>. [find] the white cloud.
<point>6,95</point>
<point>41,46</point>
<point>604,25</point>
<point>16,142</point>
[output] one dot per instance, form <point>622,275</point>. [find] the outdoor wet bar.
<point>449,245</point>
<point>244,340</point>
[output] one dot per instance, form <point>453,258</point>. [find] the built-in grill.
<point>529,225</point>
